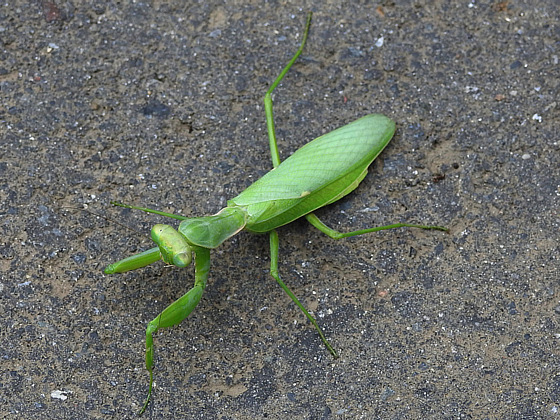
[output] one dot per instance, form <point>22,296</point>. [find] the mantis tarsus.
<point>319,173</point>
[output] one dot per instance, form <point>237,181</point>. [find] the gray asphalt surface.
<point>160,104</point>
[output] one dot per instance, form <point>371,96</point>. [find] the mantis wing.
<point>319,173</point>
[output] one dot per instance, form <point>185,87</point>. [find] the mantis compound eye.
<point>173,246</point>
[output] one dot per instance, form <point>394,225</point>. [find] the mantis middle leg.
<point>268,98</point>
<point>274,246</point>
<point>275,162</point>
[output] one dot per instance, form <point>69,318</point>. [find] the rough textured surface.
<point>159,104</point>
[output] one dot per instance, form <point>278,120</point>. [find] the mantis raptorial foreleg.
<point>177,311</point>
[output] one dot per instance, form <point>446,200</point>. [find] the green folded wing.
<point>319,173</point>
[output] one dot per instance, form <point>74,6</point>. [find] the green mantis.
<point>318,174</point>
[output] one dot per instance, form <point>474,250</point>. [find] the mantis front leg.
<point>177,311</point>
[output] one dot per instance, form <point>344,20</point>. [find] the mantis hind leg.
<point>268,98</point>
<point>274,273</point>
<point>335,234</point>
<point>177,312</point>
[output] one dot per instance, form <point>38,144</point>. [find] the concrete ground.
<point>160,104</point>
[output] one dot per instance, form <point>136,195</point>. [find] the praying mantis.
<point>319,173</point>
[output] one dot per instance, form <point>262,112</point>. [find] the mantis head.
<point>174,247</point>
